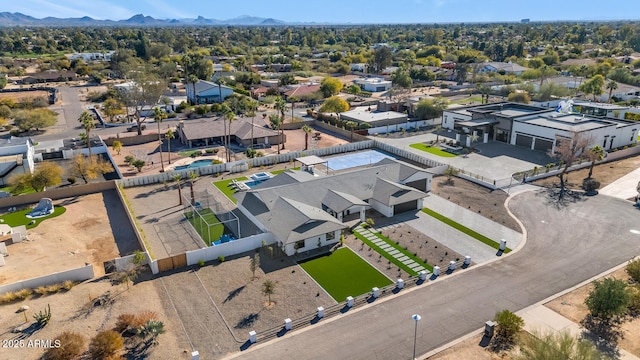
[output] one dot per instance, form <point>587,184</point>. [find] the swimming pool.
<point>195,164</point>
<point>356,159</point>
<point>253,184</point>
<point>261,176</point>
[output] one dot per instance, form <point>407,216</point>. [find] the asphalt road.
<point>565,246</point>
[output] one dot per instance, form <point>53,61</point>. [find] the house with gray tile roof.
<point>210,131</point>
<point>305,212</point>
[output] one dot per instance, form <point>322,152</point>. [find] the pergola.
<point>312,160</point>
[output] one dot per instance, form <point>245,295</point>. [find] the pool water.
<point>195,164</point>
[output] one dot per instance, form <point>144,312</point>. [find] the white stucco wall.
<point>312,243</point>
<point>381,208</point>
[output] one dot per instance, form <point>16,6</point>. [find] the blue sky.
<point>332,11</point>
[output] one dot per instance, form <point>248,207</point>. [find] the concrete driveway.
<point>566,245</point>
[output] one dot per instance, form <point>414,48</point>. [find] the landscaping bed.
<point>486,202</point>
<point>435,150</point>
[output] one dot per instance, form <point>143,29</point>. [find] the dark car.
<point>135,127</point>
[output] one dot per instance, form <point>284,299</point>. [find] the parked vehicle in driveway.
<point>135,127</point>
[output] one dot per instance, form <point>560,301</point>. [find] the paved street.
<point>565,246</point>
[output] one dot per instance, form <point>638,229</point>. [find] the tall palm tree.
<point>168,136</point>
<point>307,130</point>
<point>275,122</point>
<point>87,122</point>
<point>281,106</point>
<point>178,178</point>
<point>158,115</point>
<point>611,85</point>
<point>251,112</point>
<point>192,179</point>
<point>230,116</point>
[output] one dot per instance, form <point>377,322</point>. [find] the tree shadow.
<point>499,344</point>
<point>247,321</point>
<point>559,198</point>
<point>603,334</point>
<point>27,332</point>
<point>232,294</point>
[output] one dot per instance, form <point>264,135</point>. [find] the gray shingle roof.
<point>212,128</point>
<point>339,201</point>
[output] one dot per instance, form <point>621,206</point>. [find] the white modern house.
<point>538,128</point>
<point>373,84</point>
<point>207,92</point>
<point>501,67</point>
<point>16,157</point>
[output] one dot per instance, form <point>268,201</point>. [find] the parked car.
<point>135,127</point>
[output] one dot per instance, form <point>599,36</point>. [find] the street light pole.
<point>417,318</point>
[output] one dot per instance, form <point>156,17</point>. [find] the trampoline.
<point>356,159</point>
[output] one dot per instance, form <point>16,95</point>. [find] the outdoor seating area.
<point>239,186</point>
<point>454,149</point>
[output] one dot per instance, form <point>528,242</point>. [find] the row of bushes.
<point>23,294</point>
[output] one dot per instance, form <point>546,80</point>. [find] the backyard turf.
<point>432,150</point>
<point>343,273</point>
<point>18,218</point>
<point>207,225</point>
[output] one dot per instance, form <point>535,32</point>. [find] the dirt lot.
<point>605,173</point>
<point>572,307</point>
<point>476,198</point>
<point>23,96</point>
<point>81,235</point>
<point>76,311</point>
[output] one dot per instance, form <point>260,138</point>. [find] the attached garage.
<point>524,140</point>
<point>543,145</point>
<point>404,207</point>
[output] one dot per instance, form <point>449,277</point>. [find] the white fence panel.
<point>79,274</point>
<point>230,248</point>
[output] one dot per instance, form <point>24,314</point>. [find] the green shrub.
<point>633,270</point>
<point>221,258</point>
<point>201,263</point>
<point>71,180</point>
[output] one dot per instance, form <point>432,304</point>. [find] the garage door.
<point>524,140</point>
<point>400,208</point>
<point>543,145</point>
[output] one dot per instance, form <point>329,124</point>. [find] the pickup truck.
<point>135,127</point>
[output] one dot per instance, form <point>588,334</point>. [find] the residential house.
<point>299,91</point>
<point>210,131</point>
<point>303,220</point>
<point>373,84</point>
<point>16,157</point>
<point>207,92</point>
<point>374,118</point>
<point>537,128</point>
<point>49,76</point>
<point>359,67</point>
<point>501,67</point>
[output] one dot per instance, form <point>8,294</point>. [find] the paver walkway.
<point>384,246</point>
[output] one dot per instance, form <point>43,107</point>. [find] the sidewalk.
<point>541,319</point>
<point>623,188</point>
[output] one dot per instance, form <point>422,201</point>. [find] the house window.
<point>298,244</point>
<point>331,235</point>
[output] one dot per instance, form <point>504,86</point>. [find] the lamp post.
<point>416,318</point>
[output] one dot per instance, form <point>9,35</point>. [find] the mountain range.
<point>8,19</point>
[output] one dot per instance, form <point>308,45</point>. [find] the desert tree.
<point>268,289</point>
<point>508,326</point>
<point>608,299</point>
<point>145,90</point>
<point>117,146</point>
<point>254,264</point>
<point>557,346</point>
<point>568,150</point>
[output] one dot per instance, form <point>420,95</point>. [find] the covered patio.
<point>308,163</point>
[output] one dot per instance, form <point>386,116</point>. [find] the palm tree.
<point>192,179</point>
<point>275,122</point>
<point>307,130</point>
<point>251,112</point>
<point>177,178</point>
<point>281,106</point>
<point>168,136</point>
<point>228,116</point>
<point>87,122</point>
<point>158,115</point>
<point>350,125</point>
<point>611,85</point>
<point>596,153</point>
<point>437,131</point>
<point>268,288</point>
<point>151,330</point>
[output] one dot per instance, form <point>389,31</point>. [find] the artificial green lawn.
<point>467,100</point>
<point>464,229</point>
<point>389,257</point>
<point>432,150</point>
<point>208,234</point>
<point>228,190</point>
<point>343,273</point>
<point>18,218</point>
